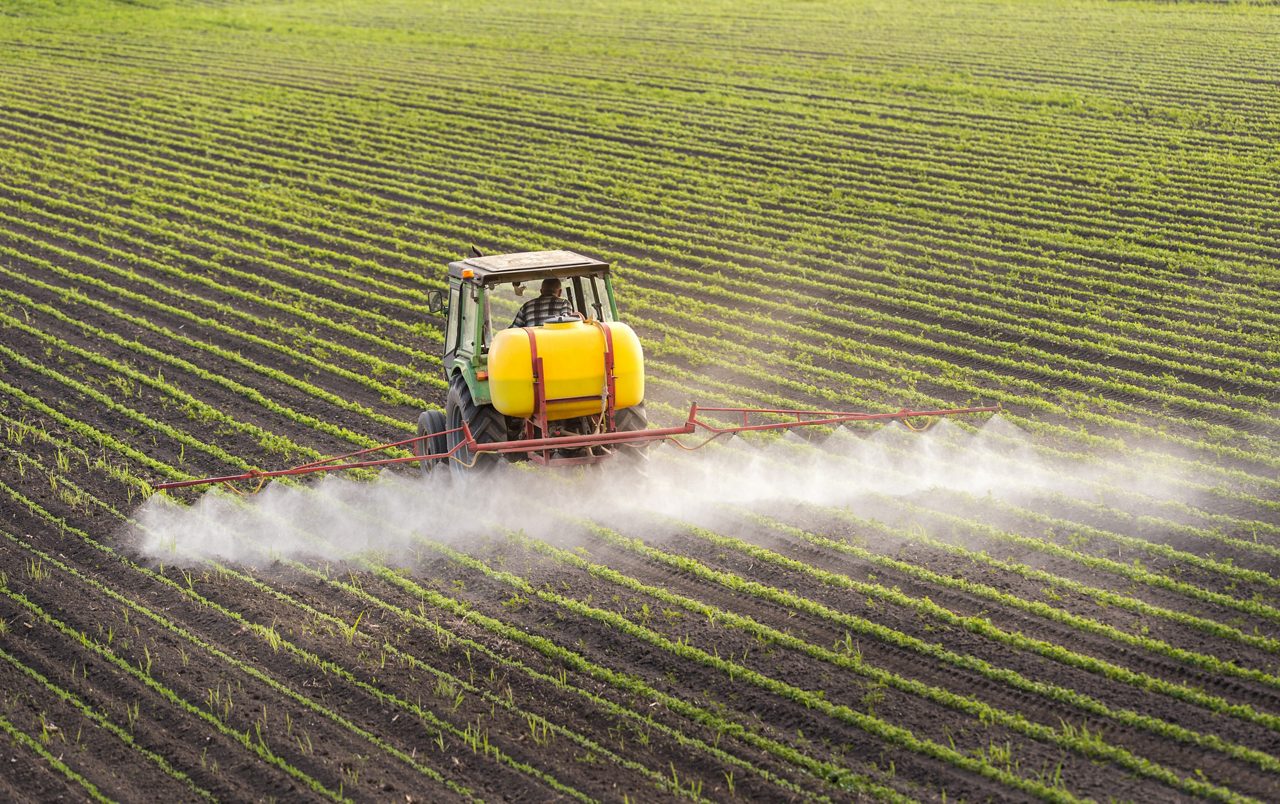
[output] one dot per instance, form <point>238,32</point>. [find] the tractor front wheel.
<point>487,426</point>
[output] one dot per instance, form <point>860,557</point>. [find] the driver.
<point>548,305</point>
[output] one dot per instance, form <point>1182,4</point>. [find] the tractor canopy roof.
<point>526,266</point>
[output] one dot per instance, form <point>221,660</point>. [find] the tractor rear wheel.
<point>431,421</point>
<point>632,418</point>
<point>487,426</point>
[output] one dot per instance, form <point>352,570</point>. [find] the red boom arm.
<point>800,418</point>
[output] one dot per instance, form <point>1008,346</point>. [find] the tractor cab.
<point>485,293</point>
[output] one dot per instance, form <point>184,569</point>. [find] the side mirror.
<point>435,301</point>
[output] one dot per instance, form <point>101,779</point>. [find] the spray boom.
<point>594,447</point>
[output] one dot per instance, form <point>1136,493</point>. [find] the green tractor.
<point>579,371</point>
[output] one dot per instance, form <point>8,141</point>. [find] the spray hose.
<point>475,456</point>
<point>262,481</point>
<point>918,428</point>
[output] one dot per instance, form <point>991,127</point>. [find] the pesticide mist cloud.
<point>335,518</point>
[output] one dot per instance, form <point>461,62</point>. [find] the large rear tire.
<point>632,418</point>
<point>487,426</point>
<point>431,421</point>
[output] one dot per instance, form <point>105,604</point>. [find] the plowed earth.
<point>218,226</point>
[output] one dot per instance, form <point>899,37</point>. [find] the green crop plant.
<point>575,661</point>
<point>247,335</point>
<point>213,348</point>
<point>206,415</point>
<point>1140,680</point>
<point>881,679</point>
<point>219,701</point>
<point>224,219</point>
<point>26,741</point>
<point>893,734</point>
<point>1135,572</point>
<point>132,711</point>
<point>443,686</point>
<point>1103,596</point>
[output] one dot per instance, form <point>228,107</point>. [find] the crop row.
<point>863,627</point>
<point>277,642</point>
<point>968,161</point>
<point>814,142</point>
<point>1132,311</point>
<point>193,284</point>
<point>85,535</point>
<point>837,375</point>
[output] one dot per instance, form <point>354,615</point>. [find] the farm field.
<point>219,223</point>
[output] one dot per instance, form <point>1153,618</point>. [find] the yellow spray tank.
<point>573,368</point>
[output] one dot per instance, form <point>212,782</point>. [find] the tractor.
<point>581,373</point>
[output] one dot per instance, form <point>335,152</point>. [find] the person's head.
<point>551,286</point>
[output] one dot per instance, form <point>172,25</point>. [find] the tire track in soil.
<point>403,728</point>
<point>1100,577</point>
<point>394,680</point>
<point>1179,636</point>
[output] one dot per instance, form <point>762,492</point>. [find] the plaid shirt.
<point>535,311</point>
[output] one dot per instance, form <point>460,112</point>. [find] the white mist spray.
<point>335,518</point>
